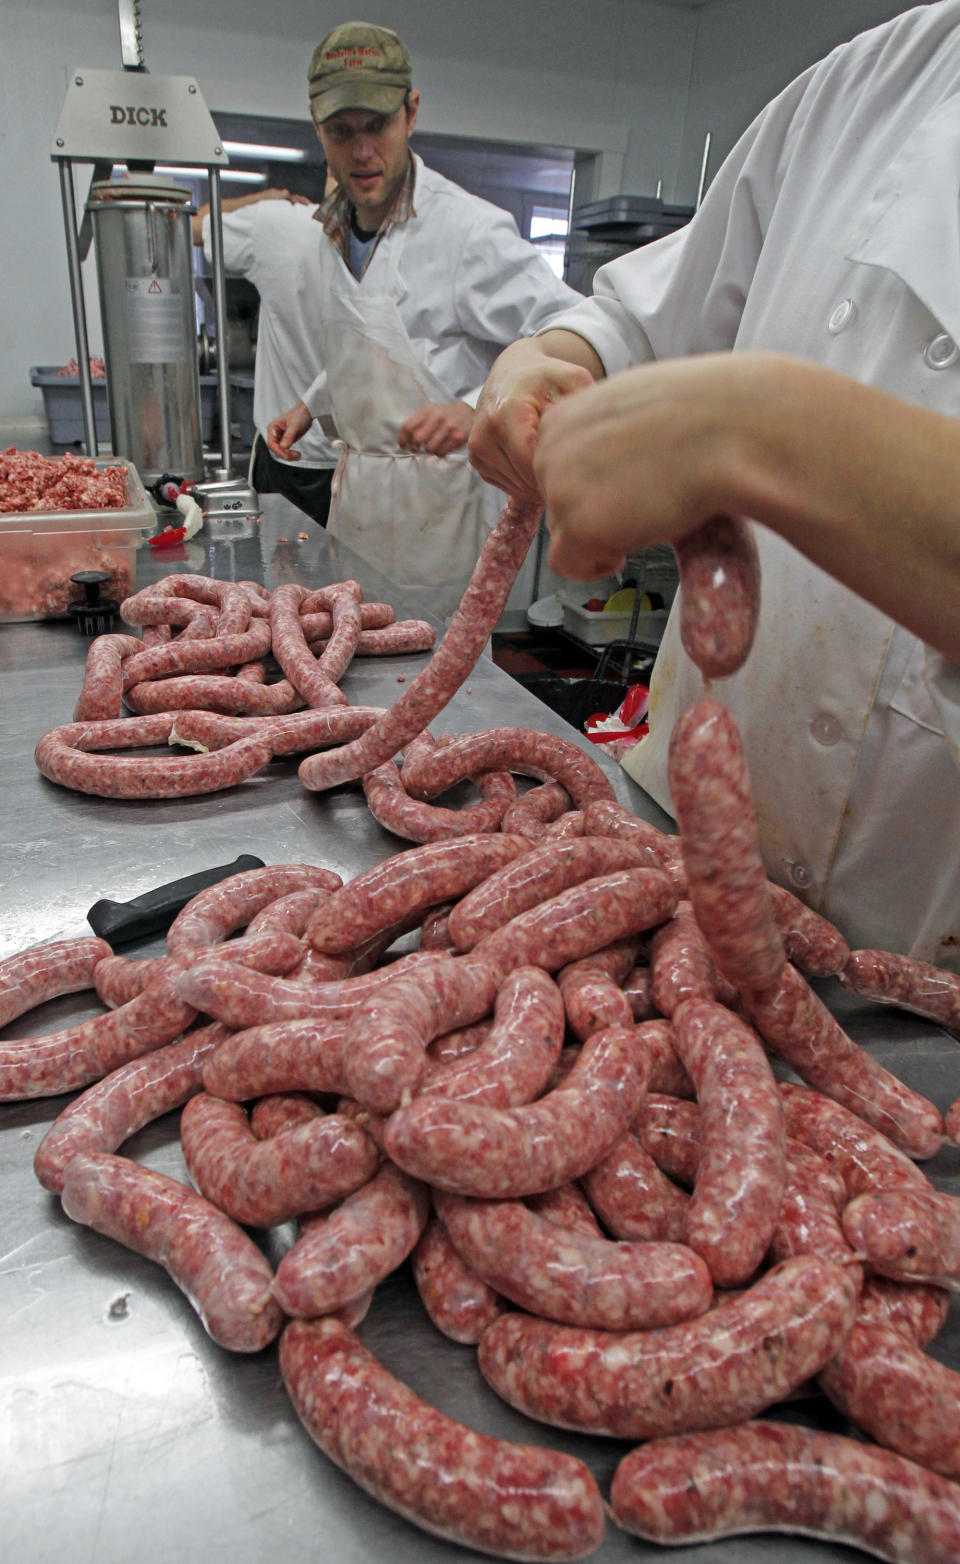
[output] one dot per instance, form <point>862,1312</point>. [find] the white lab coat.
<point>832,232</point>
<point>274,245</point>
<point>442,294</point>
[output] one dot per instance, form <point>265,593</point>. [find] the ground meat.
<point>31,482</point>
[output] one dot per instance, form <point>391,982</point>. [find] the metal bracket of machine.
<point>131,118</point>
<point>231,508</point>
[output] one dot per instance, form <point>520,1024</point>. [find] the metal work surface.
<point>130,1437</point>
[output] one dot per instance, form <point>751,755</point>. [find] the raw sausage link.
<point>290,648</point>
<point>810,941</point>
<point>433,930</point>
<point>194,654</point>
<point>282,1111</point>
<point>514,1501</point>
<point>457,1042</point>
<point>393,640</point>
<point>480,607</point>
<point>742,1166</point>
<point>561,1275</point>
<point>286,735</point>
<point>719,594</point>
<point>726,1365</point>
<point>282,1056</point>
<point>388,1033</point>
<point>568,825</point>
<point>271,951</point>
<point>809,1217</point>
<point>864,1158</point>
<point>669,1128</point>
<point>592,996</point>
<point>632,1198</point>
<point>514,1063</point>
<point>342,1256</point>
<point>902,980</point>
<point>177,598</point>
<point>896,1394</point>
<point>917,1309</point>
<point>777,1477</point>
<point>62,1061</point>
<point>524,750</point>
<point>537,807</point>
<point>470,1149</point>
<point>224,693</point>
<point>107,1114</point>
<point>584,919</point>
<point>532,879</point>
<point>603,817</point>
<point>102,693</point>
<point>290,911</point>
<point>681,966</point>
<point>567,1206</point>
<point>907,1233</point>
<point>460,1305</point>
<point>46,971</point>
<point>667,1074</point>
<point>64,756</point>
<point>407,883</point>
<point>391,804</point>
<point>242,998</point>
<point>638,988</point>
<point>214,913</point>
<point>710,789</point>
<point>263,1182</point>
<point>343,605</point>
<point>796,1025</point>
<point>210,1258</point>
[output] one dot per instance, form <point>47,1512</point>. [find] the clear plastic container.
<point>41,550</point>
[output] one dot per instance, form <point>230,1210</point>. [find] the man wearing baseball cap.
<point>423,285</point>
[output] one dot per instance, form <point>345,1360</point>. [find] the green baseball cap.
<point>358,66</point>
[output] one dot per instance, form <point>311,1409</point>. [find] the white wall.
<point>636,80</point>
<point>746,51</point>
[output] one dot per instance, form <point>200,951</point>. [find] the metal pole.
<point>703,169</point>
<point>220,307</point>
<point>76,300</point>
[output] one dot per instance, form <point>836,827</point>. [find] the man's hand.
<point>639,459</point>
<point>234,203</point>
<point>523,382</point>
<point>438,428</point>
<point>285,431</point>
<point>274,195</point>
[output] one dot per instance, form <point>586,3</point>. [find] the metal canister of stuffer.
<point>145,277</point>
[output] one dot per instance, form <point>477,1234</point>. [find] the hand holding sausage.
<point>523,382</point>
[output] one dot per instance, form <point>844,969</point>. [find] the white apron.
<point>418,518</point>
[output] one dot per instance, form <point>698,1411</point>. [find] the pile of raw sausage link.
<point>560,1106</point>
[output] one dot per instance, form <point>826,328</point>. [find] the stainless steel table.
<point>129,1436</point>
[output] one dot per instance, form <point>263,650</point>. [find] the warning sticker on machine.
<point>155,320</point>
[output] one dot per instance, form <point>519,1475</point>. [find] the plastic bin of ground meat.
<point>60,515</point>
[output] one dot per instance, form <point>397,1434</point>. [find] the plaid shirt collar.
<point>337,210</point>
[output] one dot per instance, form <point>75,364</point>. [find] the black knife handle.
<point>119,922</point>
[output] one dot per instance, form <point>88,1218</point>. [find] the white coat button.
<point>826,729</point>
<point>800,875</point>
<point>843,316</point>
<point>941,352</point>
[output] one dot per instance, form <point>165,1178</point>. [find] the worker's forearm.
<point>558,342</point>
<point>865,485</point>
